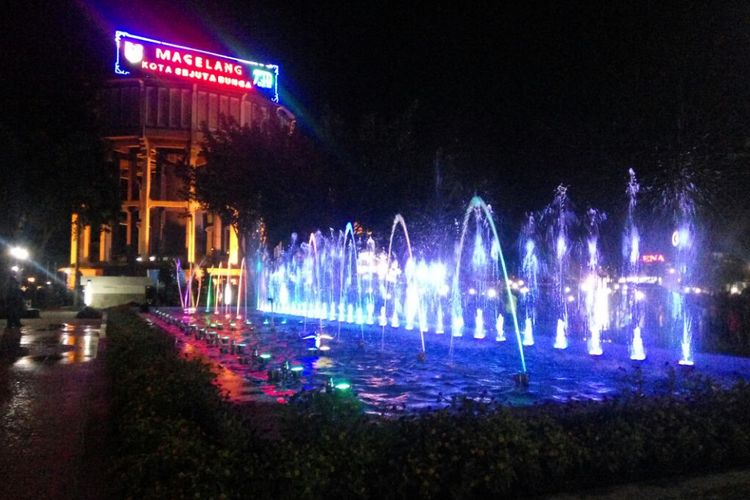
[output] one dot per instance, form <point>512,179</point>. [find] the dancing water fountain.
<point>594,286</point>
<point>633,297</point>
<point>346,280</point>
<point>560,211</point>
<point>682,240</point>
<point>421,289</point>
<point>530,273</point>
<point>482,212</point>
<point>406,299</point>
<point>350,309</point>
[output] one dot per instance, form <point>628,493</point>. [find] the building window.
<point>163,114</point>
<point>187,103</point>
<point>224,106</point>
<point>202,108</point>
<point>175,107</point>
<point>151,106</point>
<point>234,109</point>
<point>247,113</point>
<point>213,111</point>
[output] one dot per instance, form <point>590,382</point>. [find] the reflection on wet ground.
<point>67,343</point>
<point>50,390</point>
<point>392,378</point>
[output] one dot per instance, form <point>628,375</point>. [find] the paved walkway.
<point>53,409</point>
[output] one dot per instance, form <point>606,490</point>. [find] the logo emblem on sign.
<point>262,78</point>
<point>133,52</point>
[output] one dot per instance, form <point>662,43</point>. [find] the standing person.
<point>13,303</point>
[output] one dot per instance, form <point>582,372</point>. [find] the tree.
<point>252,174</point>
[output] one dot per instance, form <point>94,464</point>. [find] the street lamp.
<point>19,253</point>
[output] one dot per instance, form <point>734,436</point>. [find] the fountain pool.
<point>387,376</point>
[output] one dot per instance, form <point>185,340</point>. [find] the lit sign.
<point>680,238</point>
<point>137,55</point>
<point>651,258</point>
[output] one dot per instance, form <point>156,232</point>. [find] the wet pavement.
<point>53,409</point>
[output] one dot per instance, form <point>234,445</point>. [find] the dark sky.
<point>532,94</point>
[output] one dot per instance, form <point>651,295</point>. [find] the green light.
<point>296,368</point>
<point>265,355</point>
<point>342,386</point>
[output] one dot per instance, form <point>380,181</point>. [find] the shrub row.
<point>179,438</point>
<point>176,437</point>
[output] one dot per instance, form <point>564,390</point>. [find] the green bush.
<point>176,436</point>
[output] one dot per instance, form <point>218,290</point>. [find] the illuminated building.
<point>153,111</point>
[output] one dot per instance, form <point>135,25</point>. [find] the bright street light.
<point>19,253</point>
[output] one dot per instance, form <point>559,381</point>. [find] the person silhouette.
<point>13,303</point>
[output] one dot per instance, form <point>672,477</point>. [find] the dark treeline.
<point>52,159</point>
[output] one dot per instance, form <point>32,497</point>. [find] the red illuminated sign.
<point>651,258</point>
<point>137,55</point>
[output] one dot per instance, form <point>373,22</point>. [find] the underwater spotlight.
<point>332,386</point>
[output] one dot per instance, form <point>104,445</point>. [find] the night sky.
<point>526,95</point>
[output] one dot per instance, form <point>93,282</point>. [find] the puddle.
<point>63,343</point>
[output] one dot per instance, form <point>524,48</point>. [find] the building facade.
<point>153,112</point>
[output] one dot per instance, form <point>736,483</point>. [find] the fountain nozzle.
<point>521,379</point>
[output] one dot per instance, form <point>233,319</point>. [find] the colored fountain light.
<point>637,352</point>
<point>528,333</point>
<point>500,328</point>
<point>686,343</point>
<point>479,325</point>
<point>561,340</point>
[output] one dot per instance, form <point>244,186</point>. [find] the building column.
<point>144,205</point>
<point>234,246</point>
<point>190,242</point>
<point>74,239</point>
<point>86,243</point>
<point>190,234</point>
<point>129,227</point>
<point>105,244</point>
<point>129,222</point>
<point>216,234</point>
<point>75,230</point>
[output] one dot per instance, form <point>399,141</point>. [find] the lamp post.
<point>18,255</point>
